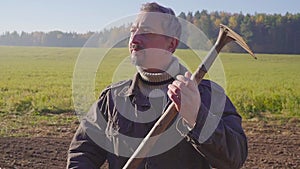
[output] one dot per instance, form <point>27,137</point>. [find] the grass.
<point>35,80</point>
<point>270,84</point>
<point>36,83</point>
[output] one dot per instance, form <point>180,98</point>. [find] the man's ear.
<point>173,44</point>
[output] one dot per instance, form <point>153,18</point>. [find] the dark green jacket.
<point>111,131</point>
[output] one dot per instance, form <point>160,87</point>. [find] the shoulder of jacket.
<point>211,85</point>
<point>119,84</point>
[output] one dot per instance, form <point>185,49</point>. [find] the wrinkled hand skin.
<point>186,97</point>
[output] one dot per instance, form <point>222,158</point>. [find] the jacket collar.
<point>132,91</point>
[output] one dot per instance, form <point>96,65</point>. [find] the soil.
<point>271,145</point>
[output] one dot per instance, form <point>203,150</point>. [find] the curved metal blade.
<point>238,39</point>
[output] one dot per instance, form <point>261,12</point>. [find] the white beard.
<point>137,58</point>
<point>151,58</point>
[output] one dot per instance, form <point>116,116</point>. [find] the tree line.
<point>51,39</point>
<point>265,33</point>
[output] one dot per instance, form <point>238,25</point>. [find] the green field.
<point>36,82</point>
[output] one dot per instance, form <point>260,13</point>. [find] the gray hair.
<point>172,23</point>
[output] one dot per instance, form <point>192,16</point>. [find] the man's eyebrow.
<point>145,27</point>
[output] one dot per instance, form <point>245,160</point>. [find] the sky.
<point>93,15</point>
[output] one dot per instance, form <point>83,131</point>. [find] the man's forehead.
<point>152,21</point>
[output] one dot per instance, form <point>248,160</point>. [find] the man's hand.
<point>185,94</point>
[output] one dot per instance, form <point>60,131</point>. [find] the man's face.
<point>149,47</point>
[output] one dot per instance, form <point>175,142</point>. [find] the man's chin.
<point>135,61</point>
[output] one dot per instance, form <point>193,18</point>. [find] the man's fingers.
<point>175,98</point>
<point>179,83</point>
<point>188,74</point>
<point>185,81</point>
<point>174,89</point>
<point>182,89</point>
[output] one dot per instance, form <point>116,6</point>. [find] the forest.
<point>265,33</point>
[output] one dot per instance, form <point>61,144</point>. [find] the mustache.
<point>137,47</point>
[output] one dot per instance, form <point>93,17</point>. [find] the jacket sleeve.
<point>218,134</point>
<point>87,146</point>
<point>84,153</point>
